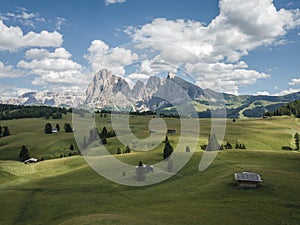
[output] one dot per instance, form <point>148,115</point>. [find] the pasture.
<point>67,191</point>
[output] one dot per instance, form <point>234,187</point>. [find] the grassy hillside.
<point>66,191</point>
<point>256,134</point>
<point>30,132</point>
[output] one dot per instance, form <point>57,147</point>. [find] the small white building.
<point>54,130</point>
<point>31,160</point>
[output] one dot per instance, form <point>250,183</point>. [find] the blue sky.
<point>233,46</point>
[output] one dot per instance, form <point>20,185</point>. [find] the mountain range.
<point>165,94</point>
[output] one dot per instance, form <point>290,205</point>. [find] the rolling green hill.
<point>67,191</point>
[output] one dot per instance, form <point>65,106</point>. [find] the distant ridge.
<point>107,88</point>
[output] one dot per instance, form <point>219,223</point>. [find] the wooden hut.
<point>248,179</point>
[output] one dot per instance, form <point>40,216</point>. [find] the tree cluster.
<point>8,112</point>
<point>292,108</point>
<point>94,135</point>
<point>125,151</point>
<point>213,145</point>
<point>48,128</point>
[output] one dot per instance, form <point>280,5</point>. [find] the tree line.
<point>213,144</point>
<point>292,108</point>
<point>9,112</point>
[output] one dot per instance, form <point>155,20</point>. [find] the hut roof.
<point>247,176</point>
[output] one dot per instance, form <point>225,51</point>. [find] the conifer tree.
<point>24,154</point>
<point>168,150</point>
<point>48,128</point>
<point>297,138</point>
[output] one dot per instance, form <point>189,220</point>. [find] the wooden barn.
<point>248,180</point>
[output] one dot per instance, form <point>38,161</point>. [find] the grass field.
<point>67,191</point>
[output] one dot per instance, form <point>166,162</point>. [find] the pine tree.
<point>127,149</point>
<point>187,149</point>
<point>119,151</point>
<point>6,131</point>
<point>104,141</point>
<point>24,154</point>
<point>297,138</point>
<point>68,128</point>
<point>168,150</point>
<point>57,127</point>
<point>71,147</point>
<point>167,139</point>
<point>104,132</point>
<point>213,144</point>
<point>93,135</point>
<point>48,128</point>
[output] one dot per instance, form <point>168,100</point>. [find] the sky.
<point>232,46</point>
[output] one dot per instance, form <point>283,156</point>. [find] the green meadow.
<point>67,191</point>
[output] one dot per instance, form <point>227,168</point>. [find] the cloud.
<point>13,38</point>
<point>262,93</point>
<point>54,70</point>
<point>295,81</point>
<point>241,27</point>
<point>224,77</point>
<point>100,55</point>
<point>23,17</point>
<point>286,92</point>
<point>108,2</point>
<point>36,53</point>
<point>8,71</point>
<point>60,22</point>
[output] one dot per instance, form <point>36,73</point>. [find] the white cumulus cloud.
<point>100,55</point>
<point>9,71</point>
<point>240,27</point>
<point>13,38</point>
<point>54,70</point>
<point>37,53</point>
<point>288,91</point>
